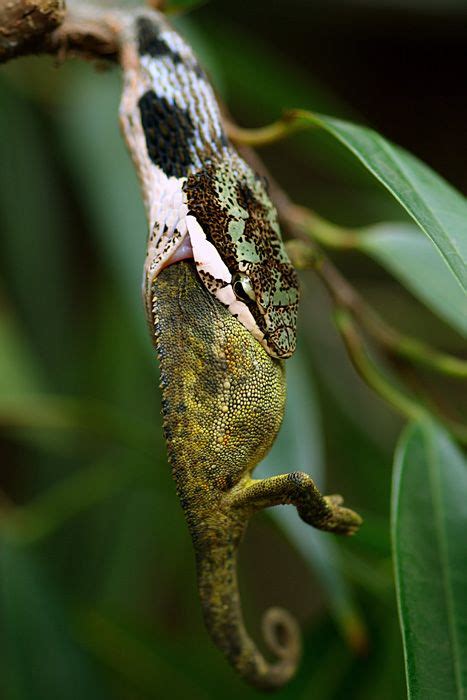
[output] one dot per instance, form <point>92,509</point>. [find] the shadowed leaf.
<point>411,258</point>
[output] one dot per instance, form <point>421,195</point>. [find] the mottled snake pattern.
<point>202,199</point>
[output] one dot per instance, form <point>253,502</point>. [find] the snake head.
<point>239,253</point>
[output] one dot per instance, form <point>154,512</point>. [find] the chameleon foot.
<point>323,512</point>
<point>342,521</point>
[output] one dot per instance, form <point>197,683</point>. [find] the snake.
<point>202,200</point>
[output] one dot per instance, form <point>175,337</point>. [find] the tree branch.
<point>25,23</point>
<point>46,26</point>
<point>86,31</point>
<point>56,27</point>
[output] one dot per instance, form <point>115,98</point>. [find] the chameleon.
<point>221,298</point>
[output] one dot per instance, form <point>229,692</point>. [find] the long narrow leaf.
<point>439,210</point>
<point>429,522</point>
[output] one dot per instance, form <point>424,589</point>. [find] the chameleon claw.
<point>342,521</point>
<point>335,499</point>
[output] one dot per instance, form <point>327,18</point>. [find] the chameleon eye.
<point>242,287</point>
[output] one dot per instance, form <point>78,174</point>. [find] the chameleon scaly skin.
<point>202,200</point>
<point>223,391</point>
<point>223,402</point>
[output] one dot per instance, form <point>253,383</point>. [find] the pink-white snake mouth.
<point>183,252</point>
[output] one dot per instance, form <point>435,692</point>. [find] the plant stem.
<point>373,376</point>
<point>265,135</point>
<point>344,295</point>
<point>369,372</point>
<point>325,232</point>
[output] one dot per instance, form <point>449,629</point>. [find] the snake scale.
<point>222,320</point>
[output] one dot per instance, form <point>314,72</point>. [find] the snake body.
<point>202,199</point>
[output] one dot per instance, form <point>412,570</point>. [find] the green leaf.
<point>439,210</point>
<point>42,660</point>
<point>411,258</point>
<point>299,447</point>
<point>429,522</point>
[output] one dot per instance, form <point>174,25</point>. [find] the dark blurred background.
<point>97,586</point>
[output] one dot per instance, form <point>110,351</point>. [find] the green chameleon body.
<point>223,402</point>
<point>222,324</point>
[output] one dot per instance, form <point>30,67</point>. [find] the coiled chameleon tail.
<point>217,582</point>
<point>223,402</point>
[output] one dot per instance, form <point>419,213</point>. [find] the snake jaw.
<point>188,168</point>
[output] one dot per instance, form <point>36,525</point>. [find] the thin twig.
<point>265,135</point>
<point>303,222</point>
<point>372,375</point>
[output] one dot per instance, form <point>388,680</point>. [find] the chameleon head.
<point>239,253</point>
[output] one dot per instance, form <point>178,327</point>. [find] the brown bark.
<point>48,26</point>
<point>91,33</point>
<point>25,23</point>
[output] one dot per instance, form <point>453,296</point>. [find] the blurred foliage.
<point>97,587</point>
